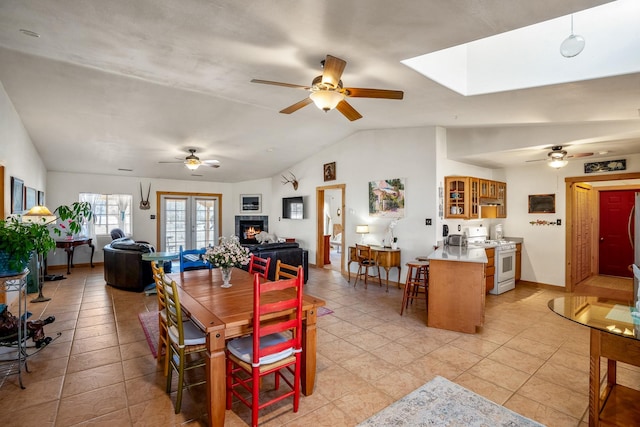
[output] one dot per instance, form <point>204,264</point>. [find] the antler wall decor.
<point>293,180</point>
<point>144,204</point>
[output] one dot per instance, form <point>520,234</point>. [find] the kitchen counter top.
<point>460,253</point>
<point>515,239</point>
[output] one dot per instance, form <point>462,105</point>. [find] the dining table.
<point>226,313</point>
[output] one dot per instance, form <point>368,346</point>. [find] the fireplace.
<point>247,226</point>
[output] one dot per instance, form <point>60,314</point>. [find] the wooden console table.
<point>386,258</point>
<point>69,245</point>
<point>615,335</point>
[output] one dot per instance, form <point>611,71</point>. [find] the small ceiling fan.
<point>558,157</point>
<point>328,93</point>
<point>193,162</point>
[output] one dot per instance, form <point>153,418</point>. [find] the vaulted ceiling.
<point>128,84</point>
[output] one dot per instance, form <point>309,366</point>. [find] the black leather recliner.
<point>124,267</point>
<point>289,253</point>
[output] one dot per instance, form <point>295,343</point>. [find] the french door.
<point>190,221</point>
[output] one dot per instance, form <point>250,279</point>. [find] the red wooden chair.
<point>275,346</point>
<point>259,266</point>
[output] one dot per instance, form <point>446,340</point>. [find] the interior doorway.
<point>330,248</point>
<point>615,248</point>
<point>583,231</point>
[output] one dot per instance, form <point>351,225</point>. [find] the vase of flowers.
<point>226,255</point>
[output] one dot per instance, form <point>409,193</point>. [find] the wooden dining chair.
<point>365,258</point>
<point>274,347</point>
<point>163,335</point>
<point>286,271</point>
<point>187,343</point>
<point>259,266</point>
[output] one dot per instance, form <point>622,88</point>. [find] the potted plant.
<point>18,240</point>
<point>75,214</point>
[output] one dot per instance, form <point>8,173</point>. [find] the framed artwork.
<point>40,198</point>
<point>386,198</point>
<point>31,198</point>
<point>542,203</point>
<point>251,203</point>
<point>608,166</point>
<point>17,195</point>
<point>330,171</point>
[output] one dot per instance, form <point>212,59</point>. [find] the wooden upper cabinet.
<point>462,196</point>
<point>456,197</point>
<point>474,200</point>
<point>502,197</point>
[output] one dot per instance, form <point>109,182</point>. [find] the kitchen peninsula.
<point>456,288</point>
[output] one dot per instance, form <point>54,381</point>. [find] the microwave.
<point>457,240</point>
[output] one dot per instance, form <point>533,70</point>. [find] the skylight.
<point>530,56</point>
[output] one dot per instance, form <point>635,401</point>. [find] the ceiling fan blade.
<point>349,112</point>
<point>356,92</point>
<point>295,107</point>
<point>580,155</point>
<point>536,160</point>
<point>181,161</point>
<point>267,82</point>
<point>211,163</point>
<point>333,68</point>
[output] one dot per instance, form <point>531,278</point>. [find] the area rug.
<point>149,322</point>
<point>323,311</point>
<point>443,403</point>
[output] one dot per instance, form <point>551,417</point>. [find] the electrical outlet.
<point>152,216</point>
<point>427,221</point>
<point>558,221</point>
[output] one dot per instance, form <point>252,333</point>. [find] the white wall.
<point>17,153</point>
<point>19,157</point>
<point>360,158</point>
<point>543,258</point>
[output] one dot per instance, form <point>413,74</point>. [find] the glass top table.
<point>614,335</point>
<point>604,314</point>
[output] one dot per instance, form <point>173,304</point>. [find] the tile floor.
<point>101,372</point>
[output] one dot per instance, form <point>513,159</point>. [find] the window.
<point>110,211</point>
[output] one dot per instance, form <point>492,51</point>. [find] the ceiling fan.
<point>328,93</point>
<point>193,162</point>
<point>557,157</point>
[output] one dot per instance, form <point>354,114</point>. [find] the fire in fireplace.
<point>248,226</point>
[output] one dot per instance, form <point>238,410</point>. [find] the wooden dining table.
<point>225,313</point>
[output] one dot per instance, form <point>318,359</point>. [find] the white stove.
<point>505,258</point>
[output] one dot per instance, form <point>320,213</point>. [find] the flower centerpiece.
<point>226,255</point>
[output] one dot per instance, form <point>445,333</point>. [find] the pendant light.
<point>572,45</point>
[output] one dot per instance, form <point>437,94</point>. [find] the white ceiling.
<point>133,83</point>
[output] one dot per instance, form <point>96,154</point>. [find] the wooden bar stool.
<point>416,284</point>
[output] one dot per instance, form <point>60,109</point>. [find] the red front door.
<point>615,249</point>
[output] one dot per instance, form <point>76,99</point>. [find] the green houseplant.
<point>18,240</point>
<point>76,214</point>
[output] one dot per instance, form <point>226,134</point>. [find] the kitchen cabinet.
<point>457,197</point>
<point>463,193</point>
<point>488,188</point>
<point>501,188</point>
<point>490,269</point>
<point>518,261</point>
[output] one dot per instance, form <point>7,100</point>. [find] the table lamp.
<point>362,230</point>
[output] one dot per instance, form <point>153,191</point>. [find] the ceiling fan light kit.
<point>326,99</point>
<point>558,163</point>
